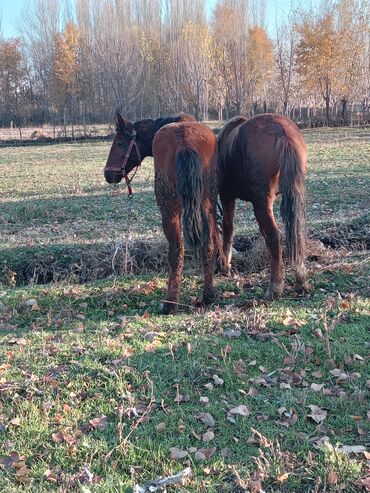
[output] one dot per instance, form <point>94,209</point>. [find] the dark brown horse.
<point>185,161</point>
<point>132,143</point>
<point>258,159</point>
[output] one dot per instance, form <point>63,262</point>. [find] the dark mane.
<point>230,125</point>
<point>161,122</point>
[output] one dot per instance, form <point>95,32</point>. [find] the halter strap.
<point>122,169</point>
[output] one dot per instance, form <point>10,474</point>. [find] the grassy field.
<point>98,392</point>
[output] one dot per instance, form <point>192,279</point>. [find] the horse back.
<point>175,137</point>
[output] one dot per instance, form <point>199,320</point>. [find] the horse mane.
<point>161,122</point>
<point>230,125</point>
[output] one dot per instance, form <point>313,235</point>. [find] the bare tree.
<point>285,48</point>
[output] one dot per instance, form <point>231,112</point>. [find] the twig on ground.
<point>160,484</point>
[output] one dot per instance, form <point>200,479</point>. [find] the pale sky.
<point>10,10</point>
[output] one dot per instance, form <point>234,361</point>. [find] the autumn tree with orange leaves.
<point>328,55</point>
<point>65,70</point>
<point>12,79</point>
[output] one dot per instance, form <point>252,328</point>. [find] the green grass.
<point>102,349</point>
<point>95,349</point>
<point>55,195</point>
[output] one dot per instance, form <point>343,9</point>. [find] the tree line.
<point>80,63</point>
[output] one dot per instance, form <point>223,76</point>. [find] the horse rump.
<point>189,187</point>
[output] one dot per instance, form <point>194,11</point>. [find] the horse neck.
<point>145,131</point>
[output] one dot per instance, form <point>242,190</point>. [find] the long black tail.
<point>190,190</point>
<point>292,170</point>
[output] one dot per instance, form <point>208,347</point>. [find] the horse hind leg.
<point>171,221</point>
<point>211,248</point>
<point>268,227</point>
<point>228,207</point>
<point>302,284</point>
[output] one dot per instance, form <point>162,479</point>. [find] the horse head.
<point>125,153</point>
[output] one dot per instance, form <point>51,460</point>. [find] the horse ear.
<point>119,121</point>
<point>122,124</point>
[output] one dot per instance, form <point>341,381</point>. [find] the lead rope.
<point>122,243</point>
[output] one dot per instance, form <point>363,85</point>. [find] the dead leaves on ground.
<point>17,463</point>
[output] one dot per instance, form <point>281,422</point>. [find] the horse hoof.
<point>167,308</point>
<point>273,293</point>
<point>209,297</point>
<point>303,287</point>
<point>223,269</point>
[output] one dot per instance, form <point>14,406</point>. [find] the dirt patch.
<point>351,236</point>
<point>76,263</point>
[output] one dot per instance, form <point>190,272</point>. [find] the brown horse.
<point>132,143</point>
<point>258,159</point>
<point>185,161</point>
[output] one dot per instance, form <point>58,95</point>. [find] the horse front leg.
<point>171,221</point>
<point>228,208</point>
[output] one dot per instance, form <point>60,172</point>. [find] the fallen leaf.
<point>217,380</point>
<point>226,452</point>
<point>341,375</point>
<point>239,368</point>
<point>31,302</point>
<point>317,374</point>
<point>177,454</point>
<point>358,357</point>
<point>365,482</point>
<point>242,410</point>
<point>232,334</point>
<point>19,342</point>
<point>352,449</point>
<point>10,460</point>
<point>160,427</point>
<point>288,360</point>
<point>333,477</point>
<point>228,294</point>
<point>208,436</point>
<point>99,423</point>
<point>204,400</point>
<point>182,398</point>
<point>316,387</point>
<point>15,421</point>
<point>58,437</point>
<point>181,426</point>
<point>204,453</point>
<point>283,477</point>
<point>50,476</point>
<point>21,474</point>
<point>285,386</point>
<point>207,419</point>
<point>291,417</point>
<point>317,414</point>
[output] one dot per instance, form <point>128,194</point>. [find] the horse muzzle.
<point>112,176</point>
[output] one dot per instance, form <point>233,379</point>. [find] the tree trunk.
<point>285,107</point>
<point>344,117</point>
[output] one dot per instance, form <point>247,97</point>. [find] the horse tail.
<point>292,172</point>
<point>190,185</point>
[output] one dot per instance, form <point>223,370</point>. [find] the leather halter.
<point>122,168</point>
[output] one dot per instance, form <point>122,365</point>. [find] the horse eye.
<point>120,143</point>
